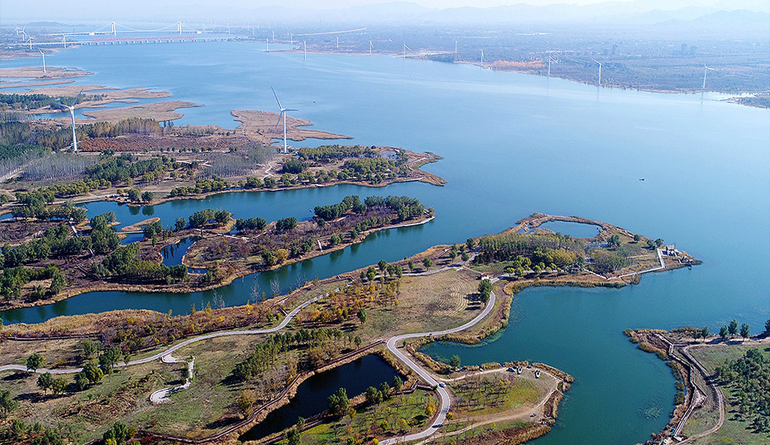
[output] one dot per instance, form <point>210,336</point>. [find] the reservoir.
<point>512,145</point>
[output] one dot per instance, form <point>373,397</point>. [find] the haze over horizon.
<point>416,11</point>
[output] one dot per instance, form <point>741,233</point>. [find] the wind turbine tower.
<point>267,45</point>
<point>283,116</point>
<point>705,70</point>
<point>338,42</point>
<point>455,46</point>
<point>551,59</point>
<point>370,47</point>
<point>482,58</point>
<point>600,71</point>
<point>71,107</point>
<point>304,45</point>
<point>43,54</point>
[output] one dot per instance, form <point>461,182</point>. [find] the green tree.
<point>455,362</point>
<point>58,385</point>
<point>637,238</point>
<point>745,331</point>
<point>119,432</point>
<point>373,396</point>
<point>470,243</point>
<point>180,224</point>
<point>35,361</point>
<point>382,264</point>
<point>338,402</point>
<point>89,348</point>
<point>371,274</point>
<point>427,262</point>
<point>465,256</point>
<point>109,359</point>
<point>397,383</point>
<point>7,404</point>
<point>410,264</point>
<point>44,382</point>
<point>704,332</point>
<point>658,242</point>
<point>732,328</point>
<point>361,315</point>
<point>723,332</point>
<point>57,284</point>
<point>767,326</point>
<point>147,196</point>
<point>385,390</point>
<point>293,437</point>
<point>81,381</point>
<point>92,372</point>
<point>485,290</point>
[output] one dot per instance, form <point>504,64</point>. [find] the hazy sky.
<point>86,10</point>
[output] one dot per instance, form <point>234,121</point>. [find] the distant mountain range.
<point>749,14</point>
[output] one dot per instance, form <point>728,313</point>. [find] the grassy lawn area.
<point>433,302</point>
<point>86,414</point>
<point>57,353</point>
<point>734,431</point>
<point>495,393</point>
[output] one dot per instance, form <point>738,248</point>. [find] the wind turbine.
<point>482,58</point>
<point>282,116</point>
<point>304,45</point>
<point>72,114</point>
<point>705,70</point>
<point>267,45</point>
<point>600,71</point>
<point>551,59</point>
<point>43,54</point>
<point>370,47</point>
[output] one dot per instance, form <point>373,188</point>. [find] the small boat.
<point>641,179</point>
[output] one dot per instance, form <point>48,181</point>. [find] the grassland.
<point>734,431</point>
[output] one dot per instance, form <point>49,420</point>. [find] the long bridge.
<point>108,35</point>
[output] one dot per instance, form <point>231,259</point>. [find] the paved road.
<point>425,375</point>
<point>151,358</point>
<point>391,344</point>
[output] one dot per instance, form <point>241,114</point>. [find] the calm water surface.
<point>512,145</point>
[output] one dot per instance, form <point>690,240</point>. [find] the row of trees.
<point>749,377</point>
<point>331,153</point>
<point>35,205</point>
<point>266,353</point>
<point>732,329</point>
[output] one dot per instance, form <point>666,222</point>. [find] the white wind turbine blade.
<point>276,99</point>
<point>76,98</point>
<point>280,116</point>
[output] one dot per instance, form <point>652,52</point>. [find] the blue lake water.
<point>512,145</point>
<point>574,230</point>
<point>312,394</point>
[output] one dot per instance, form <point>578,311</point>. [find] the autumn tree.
<point>246,401</point>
